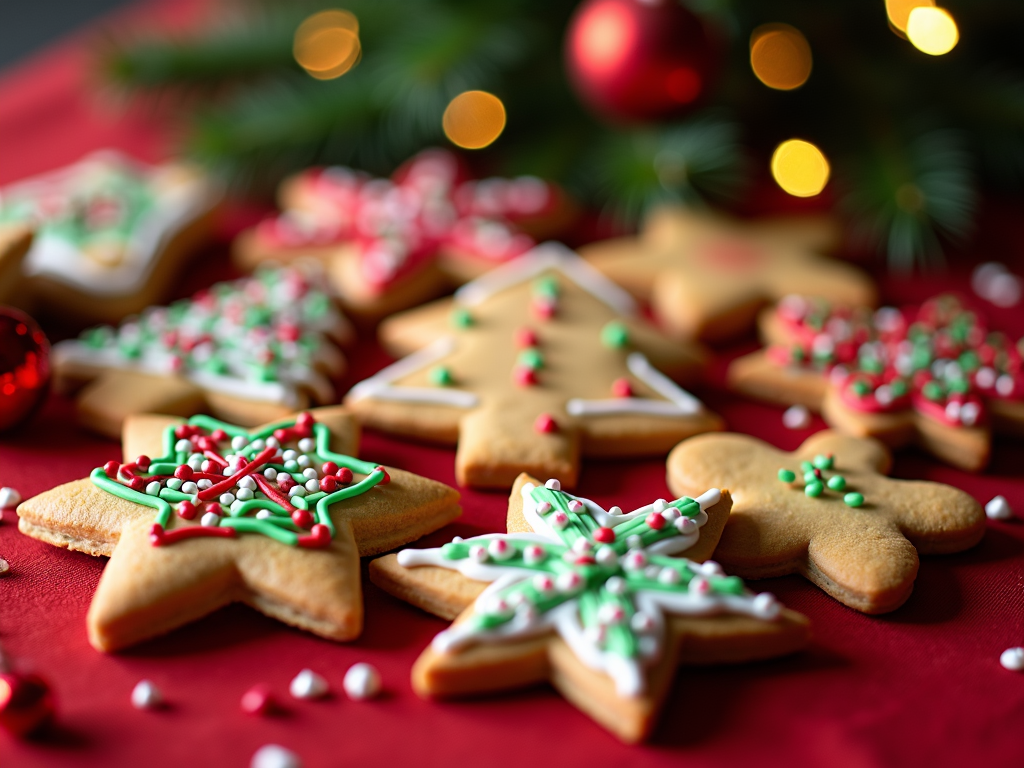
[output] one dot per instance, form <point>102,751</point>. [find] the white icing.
<point>308,685</point>
<point>177,205</point>
<point>526,621</point>
<point>379,386</point>
<point>547,256</point>
<point>362,681</point>
<point>678,402</point>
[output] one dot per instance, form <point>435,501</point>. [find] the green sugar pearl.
<point>806,466</point>
<point>814,489</point>
<point>810,477</point>
<point>546,286</point>
<point>440,376</point>
<point>461,318</point>
<point>822,462</point>
<point>614,335</point>
<point>787,476</point>
<point>531,358</point>
<point>837,482</point>
<point>853,499</point>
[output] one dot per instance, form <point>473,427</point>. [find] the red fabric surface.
<point>921,686</point>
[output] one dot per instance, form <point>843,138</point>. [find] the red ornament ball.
<point>24,367</point>
<point>639,60</point>
<point>26,703</point>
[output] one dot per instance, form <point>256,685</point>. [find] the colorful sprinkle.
<point>545,424</point>
<point>615,335</point>
<point>787,476</point>
<point>814,489</point>
<point>853,499</point>
<point>461,318</point>
<point>837,483</point>
<point>440,376</point>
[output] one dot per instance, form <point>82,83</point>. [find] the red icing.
<point>386,479</point>
<point>318,538</point>
<point>230,482</point>
<point>158,536</point>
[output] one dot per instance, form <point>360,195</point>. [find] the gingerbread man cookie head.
<point>589,599</point>
<point>533,364</point>
<point>276,517</point>
<point>828,512</point>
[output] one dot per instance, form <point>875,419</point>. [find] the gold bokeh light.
<point>780,56</point>
<point>474,119</point>
<point>327,44</point>
<point>932,30</point>
<point>898,11</point>
<point>800,168</point>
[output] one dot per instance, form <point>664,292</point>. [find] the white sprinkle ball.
<point>553,485</point>
<point>796,417</point>
<point>1013,659</point>
<point>296,490</point>
<point>270,473</point>
<point>275,756</point>
<point>210,519</point>
<point>308,685</point>
<point>312,486</point>
<point>183,445</point>
<point>238,442</point>
<point>244,494</point>
<point>998,509</point>
<point>247,483</point>
<point>290,455</point>
<point>153,488</point>
<point>307,445</point>
<point>272,442</point>
<point>362,681</point>
<point>257,445</point>
<point>190,488</point>
<point>204,484</point>
<point>227,499</point>
<point>309,473</point>
<point>145,695</point>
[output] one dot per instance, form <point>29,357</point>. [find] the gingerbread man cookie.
<point>532,365</point>
<point>589,600</point>
<point>706,276</point>
<point>391,244</point>
<point>276,518</point>
<point>932,374</point>
<point>110,233</point>
<point>249,351</point>
<point>828,512</point>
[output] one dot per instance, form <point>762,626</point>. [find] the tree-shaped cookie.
<point>828,512</point>
<point>110,232</point>
<point>247,351</point>
<point>533,364</point>
<point>391,244</point>
<point>589,600</point>
<point>706,276</point>
<point>932,374</point>
<point>276,518</point>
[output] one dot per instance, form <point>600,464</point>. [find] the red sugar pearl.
<point>328,483</point>
<point>525,338</point>
<point>622,388</point>
<point>524,376</point>
<point>258,701</point>
<point>137,484</point>
<point>545,424</point>
<point>544,309</point>
<point>604,535</point>
<point>186,510</point>
<point>143,462</point>
<point>110,468</point>
<point>216,508</point>
<point>282,435</point>
<point>219,435</point>
<point>329,468</point>
<point>183,472</point>
<point>344,475</point>
<point>302,518</point>
<point>285,481</point>
<point>305,420</point>
<point>655,520</point>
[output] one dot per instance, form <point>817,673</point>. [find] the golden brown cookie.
<point>247,351</point>
<point>934,375</point>
<point>589,600</point>
<point>534,364</point>
<point>391,244</point>
<point>15,240</point>
<point>707,276</point>
<point>828,512</point>
<point>110,233</point>
<point>276,518</point>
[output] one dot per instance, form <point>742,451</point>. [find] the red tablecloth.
<point>921,686</point>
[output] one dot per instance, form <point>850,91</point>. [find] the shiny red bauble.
<point>24,367</point>
<point>640,60</point>
<point>26,703</point>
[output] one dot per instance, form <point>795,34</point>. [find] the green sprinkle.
<point>860,387</point>
<point>932,390</point>
<point>614,335</point>
<point>787,476</point>
<point>853,499</point>
<point>806,466</point>
<point>821,461</point>
<point>898,387</point>
<point>814,489</point>
<point>871,365</point>
<point>461,318</point>
<point>531,358</point>
<point>837,482</point>
<point>810,477</point>
<point>797,354</point>
<point>546,286</point>
<point>440,376</point>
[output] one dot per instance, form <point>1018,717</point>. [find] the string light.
<point>800,168</point>
<point>932,30</point>
<point>898,11</point>
<point>474,119</point>
<point>327,44</point>
<point>780,56</point>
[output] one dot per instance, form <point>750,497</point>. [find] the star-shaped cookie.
<point>276,518</point>
<point>707,276</point>
<point>589,600</point>
<point>828,512</point>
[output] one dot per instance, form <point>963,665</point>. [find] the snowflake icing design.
<point>602,579</point>
<point>279,481</point>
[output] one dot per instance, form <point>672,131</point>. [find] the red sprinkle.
<point>545,423</point>
<point>622,388</point>
<point>219,435</point>
<point>285,481</point>
<point>585,560</point>
<point>110,468</point>
<point>524,376</point>
<point>305,420</point>
<point>655,520</point>
<point>344,475</point>
<point>137,484</point>
<point>545,310</point>
<point>329,468</point>
<point>604,535</point>
<point>187,510</point>
<point>302,518</point>
<point>142,462</point>
<point>328,483</point>
<point>319,537</point>
<point>183,472</point>
<point>258,701</point>
<point>525,338</point>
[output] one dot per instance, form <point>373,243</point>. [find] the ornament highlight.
<point>24,367</point>
<point>26,703</point>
